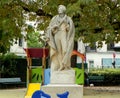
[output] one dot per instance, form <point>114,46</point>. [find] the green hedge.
<point>8,64</point>
<point>111,76</point>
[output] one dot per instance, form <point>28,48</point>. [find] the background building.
<point>105,57</point>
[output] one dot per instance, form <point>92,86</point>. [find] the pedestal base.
<point>75,91</point>
<point>63,77</point>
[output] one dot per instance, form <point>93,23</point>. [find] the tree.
<point>10,23</point>
<point>100,21</point>
<point>95,20</point>
<point>34,41</point>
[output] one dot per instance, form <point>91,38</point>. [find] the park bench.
<point>98,79</point>
<point>11,81</point>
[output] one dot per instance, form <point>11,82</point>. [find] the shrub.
<point>8,64</point>
<point>111,76</point>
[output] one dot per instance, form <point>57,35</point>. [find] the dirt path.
<point>12,93</point>
<point>101,92</point>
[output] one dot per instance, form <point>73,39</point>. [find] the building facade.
<point>105,57</point>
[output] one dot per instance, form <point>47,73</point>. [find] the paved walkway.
<point>89,92</point>
<point>102,92</point>
<point>13,93</point>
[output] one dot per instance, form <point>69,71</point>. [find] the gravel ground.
<point>13,93</point>
<point>101,92</point>
<point>89,92</point>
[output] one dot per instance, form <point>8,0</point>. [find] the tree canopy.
<point>95,20</point>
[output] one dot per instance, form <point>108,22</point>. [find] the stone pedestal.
<point>61,82</point>
<point>75,91</point>
<point>63,77</point>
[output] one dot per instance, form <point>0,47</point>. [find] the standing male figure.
<point>60,37</point>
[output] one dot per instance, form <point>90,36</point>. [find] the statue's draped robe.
<point>61,41</point>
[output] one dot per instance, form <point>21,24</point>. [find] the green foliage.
<point>95,20</point>
<point>8,64</point>
<point>105,71</point>
<point>111,76</point>
<point>10,23</point>
<point>33,40</point>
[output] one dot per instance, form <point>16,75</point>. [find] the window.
<point>110,46</point>
<point>20,42</point>
<point>117,61</point>
<point>107,62</point>
<point>91,64</point>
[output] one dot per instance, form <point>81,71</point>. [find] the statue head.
<point>61,9</point>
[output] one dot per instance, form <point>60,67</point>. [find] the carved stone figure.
<point>60,37</point>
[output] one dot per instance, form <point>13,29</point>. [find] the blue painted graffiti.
<point>41,94</point>
<point>64,95</point>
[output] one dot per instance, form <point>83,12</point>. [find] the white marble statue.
<point>60,37</point>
